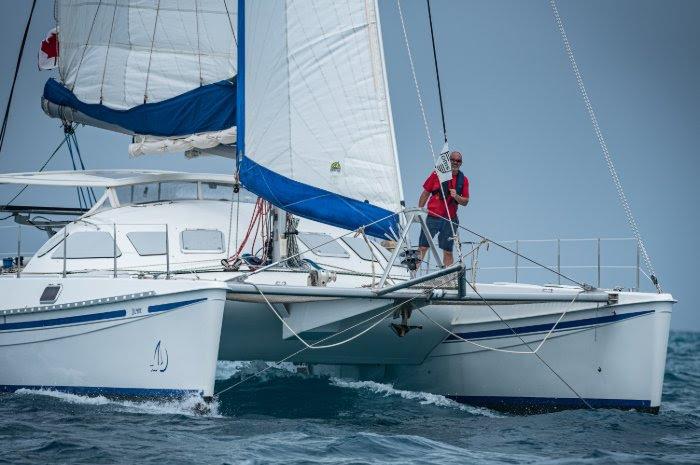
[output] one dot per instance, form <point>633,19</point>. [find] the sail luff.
<point>240,85</point>
<point>388,104</point>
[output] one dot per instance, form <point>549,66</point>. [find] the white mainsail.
<point>150,67</point>
<point>319,138</point>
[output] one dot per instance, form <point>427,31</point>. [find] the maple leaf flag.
<point>48,52</point>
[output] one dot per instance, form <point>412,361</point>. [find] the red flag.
<point>48,52</point>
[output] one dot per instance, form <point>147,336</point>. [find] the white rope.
<point>335,344</point>
<point>603,145</point>
<point>518,352</point>
<point>425,119</point>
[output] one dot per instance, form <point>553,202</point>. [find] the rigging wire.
<point>90,190</point>
<point>425,119</point>
<point>3,130</point>
<point>81,195</point>
<point>63,141</point>
<point>437,72</point>
<point>603,145</point>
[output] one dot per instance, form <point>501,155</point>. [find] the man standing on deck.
<point>448,194</point>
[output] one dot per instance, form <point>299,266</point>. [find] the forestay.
<point>319,138</point>
<point>161,68</point>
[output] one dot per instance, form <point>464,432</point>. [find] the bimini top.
<point>109,178</point>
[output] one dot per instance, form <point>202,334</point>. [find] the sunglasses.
<point>455,160</point>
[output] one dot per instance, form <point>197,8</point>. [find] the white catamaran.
<point>304,254</point>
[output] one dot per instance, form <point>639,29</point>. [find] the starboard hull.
<point>607,357</point>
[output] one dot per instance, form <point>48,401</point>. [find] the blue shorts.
<point>441,227</point>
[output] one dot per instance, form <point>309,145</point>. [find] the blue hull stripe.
<point>109,391</point>
<point>64,321</point>
<point>546,326</point>
<point>92,316</point>
<point>317,204</point>
<point>173,305</point>
<point>207,108</point>
<point>564,402</point>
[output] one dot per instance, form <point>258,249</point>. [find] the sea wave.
<point>192,405</point>
<point>424,398</point>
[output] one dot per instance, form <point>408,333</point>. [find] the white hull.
<point>612,356</point>
<point>113,336</point>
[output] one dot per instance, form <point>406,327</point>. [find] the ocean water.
<point>285,417</point>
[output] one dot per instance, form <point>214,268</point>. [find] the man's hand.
<point>453,193</point>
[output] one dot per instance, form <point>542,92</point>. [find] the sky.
<point>512,108</point>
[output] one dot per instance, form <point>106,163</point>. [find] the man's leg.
<point>447,258</point>
<point>433,225</point>
<point>446,242</point>
<point>422,251</point>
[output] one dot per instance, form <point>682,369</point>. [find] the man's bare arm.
<point>423,199</point>
<point>458,198</point>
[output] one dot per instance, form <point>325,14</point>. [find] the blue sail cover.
<point>319,204</point>
<point>207,108</point>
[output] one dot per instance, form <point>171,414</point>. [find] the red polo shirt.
<point>436,205</point>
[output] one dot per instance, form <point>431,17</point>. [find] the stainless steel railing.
<point>517,268</point>
<point>18,254</point>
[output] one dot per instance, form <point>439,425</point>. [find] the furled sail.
<point>161,69</point>
<point>319,138</point>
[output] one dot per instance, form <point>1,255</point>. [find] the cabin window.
<point>360,247</point>
<point>88,244</point>
<point>145,193</point>
<point>218,191</point>
<point>323,245</point>
<point>50,244</point>
<point>50,294</point>
<point>384,251</point>
<point>124,194</point>
<point>202,241</point>
<point>148,242</point>
<point>178,191</point>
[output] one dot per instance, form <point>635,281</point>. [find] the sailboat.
<point>296,92</point>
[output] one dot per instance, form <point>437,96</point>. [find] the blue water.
<point>284,417</point>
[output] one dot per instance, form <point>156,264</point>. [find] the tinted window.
<point>50,294</point>
<point>360,247</point>
<point>50,244</point>
<point>178,191</point>
<point>215,191</point>
<point>322,244</point>
<point>144,193</point>
<point>124,194</point>
<point>202,240</point>
<point>148,242</point>
<point>88,244</point>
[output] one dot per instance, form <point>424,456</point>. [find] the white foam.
<point>283,366</point>
<point>424,398</point>
<point>191,406</point>
<point>226,369</point>
<point>66,397</point>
